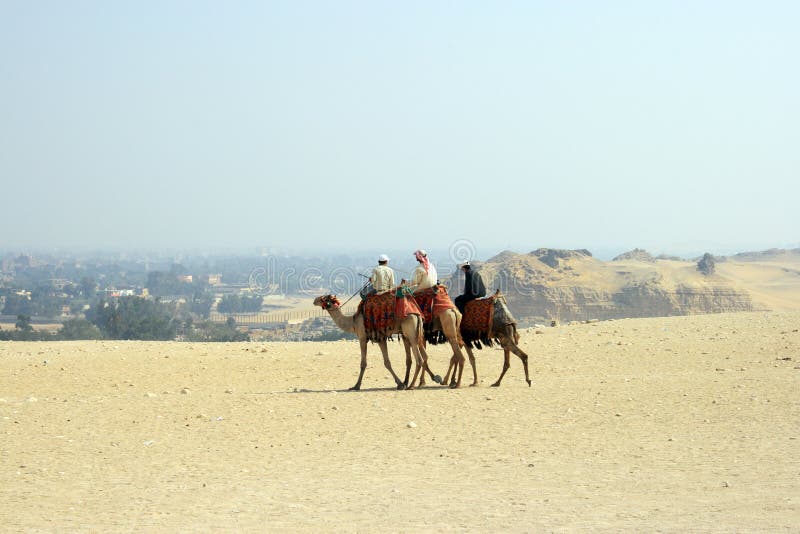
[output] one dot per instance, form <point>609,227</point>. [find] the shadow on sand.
<point>362,390</point>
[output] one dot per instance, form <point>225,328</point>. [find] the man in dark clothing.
<point>473,287</point>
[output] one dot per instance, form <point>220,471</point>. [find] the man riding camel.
<point>381,280</point>
<point>473,287</point>
<point>424,275</point>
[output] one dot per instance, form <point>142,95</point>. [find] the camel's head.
<point>326,302</point>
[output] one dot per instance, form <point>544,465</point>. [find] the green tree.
<point>134,318</point>
<point>24,323</point>
<point>18,305</point>
<point>240,304</point>
<point>88,287</point>
<point>707,264</point>
<point>79,329</point>
<point>200,304</point>
<point>216,332</point>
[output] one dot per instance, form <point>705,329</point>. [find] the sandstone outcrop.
<point>570,285</point>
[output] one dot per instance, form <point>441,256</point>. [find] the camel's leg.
<point>524,357</point>
<point>417,368</point>
<point>412,333</point>
<point>510,346</point>
<point>450,368</point>
<point>424,358</point>
<point>363,343</point>
<point>460,371</point>
<point>434,377</point>
<point>472,363</point>
<point>506,365</point>
<point>388,365</point>
<point>450,329</point>
<point>407,347</point>
<point>425,368</point>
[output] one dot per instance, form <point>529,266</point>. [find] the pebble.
<point>150,395</point>
<point>412,424</point>
<point>185,391</point>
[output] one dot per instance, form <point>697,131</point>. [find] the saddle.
<point>482,316</point>
<point>381,311</point>
<point>433,302</point>
<point>476,325</point>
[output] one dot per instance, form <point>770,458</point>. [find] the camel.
<point>449,323</point>
<point>410,328</point>
<point>508,337</point>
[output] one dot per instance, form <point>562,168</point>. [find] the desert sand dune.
<point>672,424</point>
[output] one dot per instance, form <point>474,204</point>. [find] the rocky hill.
<point>570,285</point>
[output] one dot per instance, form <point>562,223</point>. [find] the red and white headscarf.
<point>422,257</point>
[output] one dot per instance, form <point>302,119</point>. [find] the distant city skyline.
<point>366,127</point>
<point>438,255</point>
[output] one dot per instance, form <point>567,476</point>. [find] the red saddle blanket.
<point>478,315</point>
<point>432,302</point>
<point>381,312</point>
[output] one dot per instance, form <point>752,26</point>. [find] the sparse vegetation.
<point>134,318</point>
<point>240,304</point>
<point>707,264</point>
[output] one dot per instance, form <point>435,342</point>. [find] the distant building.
<point>187,278</point>
<point>114,292</point>
<point>214,279</point>
<point>59,283</point>
<point>23,261</point>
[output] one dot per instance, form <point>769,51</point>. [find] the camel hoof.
<point>437,379</point>
<point>453,386</point>
<point>529,383</point>
<point>355,388</point>
<point>474,384</point>
<point>496,385</point>
<point>401,386</point>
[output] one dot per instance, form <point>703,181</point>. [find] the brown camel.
<point>410,328</point>
<point>505,333</point>
<point>449,324</point>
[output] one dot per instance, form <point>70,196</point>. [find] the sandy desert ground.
<point>668,424</point>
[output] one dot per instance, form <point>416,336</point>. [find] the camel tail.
<point>513,331</point>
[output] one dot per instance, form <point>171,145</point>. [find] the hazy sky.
<point>665,125</point>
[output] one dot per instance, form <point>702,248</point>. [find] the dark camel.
<point>504,333</point>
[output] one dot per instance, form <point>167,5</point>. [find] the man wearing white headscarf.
<point>424,275</point>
